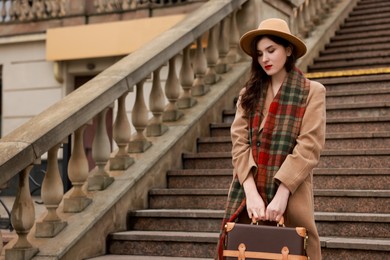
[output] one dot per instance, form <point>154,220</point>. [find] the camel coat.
<point>296,172</point>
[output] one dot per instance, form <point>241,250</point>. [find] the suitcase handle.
<point>280,223</point>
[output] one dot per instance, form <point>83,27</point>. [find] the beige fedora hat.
<point>277,27</point>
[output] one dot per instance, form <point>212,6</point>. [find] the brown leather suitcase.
<point>251,241</point>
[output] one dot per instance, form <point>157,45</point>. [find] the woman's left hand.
<point>277,206</point>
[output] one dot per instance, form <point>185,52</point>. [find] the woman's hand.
<point>277,207</point>
<point>254,203</point>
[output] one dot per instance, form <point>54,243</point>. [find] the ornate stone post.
<point>78,171</point>
<point>52,192</point>
<point>139,118</point>
<point>233,56</point>
<point>200,64</point>
<point>172,92</point>
<point>100,180</point>
<point>22,218</point>
<point>156,106</point>
<point>222,64</point>
<point>121,134</point>
<point>211,76</point>
<point>186,80</point>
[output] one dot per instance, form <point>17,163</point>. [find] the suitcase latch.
<point>241,251</point>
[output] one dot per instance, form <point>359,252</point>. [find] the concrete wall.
<point>27,81</point>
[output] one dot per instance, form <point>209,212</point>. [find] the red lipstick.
<point>268,67</point>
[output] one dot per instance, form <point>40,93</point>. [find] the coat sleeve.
<point>242,157</point>
<point>310,142</point>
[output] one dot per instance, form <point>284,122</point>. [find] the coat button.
<point>258,143</point>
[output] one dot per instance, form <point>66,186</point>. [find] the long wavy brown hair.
<point>258,79</point>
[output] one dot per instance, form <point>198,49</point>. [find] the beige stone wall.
<point>28,83</point>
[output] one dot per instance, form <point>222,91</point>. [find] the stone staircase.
<point>352,181</point>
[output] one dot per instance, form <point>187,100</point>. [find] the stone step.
<point>353,49</point>
<point>375,62</point>
<point>187,198</point>
<point>214,144</point>
<point>199,178</point>
<point>373,158</point>
<point>354,248</point>
<point>358,201</point>
<point>220,129</point>
<point>368,83</point>
<point>363,109</point>
<point>354,55</point>
<point>349,179</point>
<point>212,160</point>
<point>324,178</point>
<point>348,224</point>
<point>140,257</point>
<point>336,158</point>
<point>156,243</point>
<point>357,124</point>
<point>358,140</point>
<point>336,200</point>
<point>375,4</point>
<point>363,11</point>
<point>347,96</point>
<point>188,220</point>
<point>361,35</point>
<point>333,125</point>
<point>203,245</point>
<point>356,42</point>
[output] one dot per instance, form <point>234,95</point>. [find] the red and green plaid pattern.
<point>272,145</point>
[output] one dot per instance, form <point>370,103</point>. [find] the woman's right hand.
<point>254,203</point>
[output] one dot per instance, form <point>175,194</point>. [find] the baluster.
<point>186,80</point>
<point>133,4</point>
<point>314,15</point>
<point>308,19</point>
<point>100,179</point>
<point>200,67</point>
<point>23,10</point>
<point>3,11</point>
<point>99,5</point>
<point>302,33</point>
<point>22,218</point>
<point>211,76</point>
<point>139,118</point>
<point>122,134</point>
<point>172,92</point>
<point>156,106</point>
<point>40,10</point>
<point>233,56</point>
<point>78,171</point>
<point>12,11</point>
<point>223,48</point>
<point>52,192</point>
<point>62,7</point>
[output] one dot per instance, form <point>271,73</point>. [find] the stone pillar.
<point>186,80</point>
<point>100,180</point>
<point>22,219</point>
<point>156,106</point>
<point>78,171</point>
<point>121,135</point>
<point>52,192</point>
<point>139,117</point>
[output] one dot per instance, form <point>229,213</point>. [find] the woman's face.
<point>272,56</point>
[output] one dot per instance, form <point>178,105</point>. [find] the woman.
<point>277,135</point>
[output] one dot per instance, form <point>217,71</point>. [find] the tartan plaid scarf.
<point>271,146</point>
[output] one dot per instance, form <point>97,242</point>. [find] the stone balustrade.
<point>26,11</point>
<point>216,21</point>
